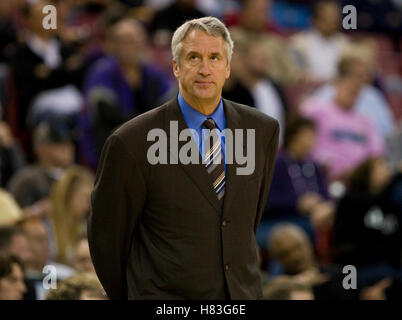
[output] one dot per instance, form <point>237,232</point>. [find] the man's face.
<point>348,90</point>
<point>37,237</point>
<point>203,67</point>
<point>83,261</point>
<point>328,19</point>
<point>305,140</point>
<point>255,14</point>
<point>257,60</point>
<point>59,155</point>
<point>20,248</point>
<point>129,43</point>
<point>12,287</point>
<point>294,252</point>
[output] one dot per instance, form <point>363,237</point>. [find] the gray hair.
<point>210,25</point>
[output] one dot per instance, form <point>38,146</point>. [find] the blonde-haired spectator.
<point>70,198</point>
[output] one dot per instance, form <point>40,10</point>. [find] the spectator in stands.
<point>35,230</point>
<point>370,101</point>
<point>44,71</point>
<point>70,198</point>
<point>11,156</point>
<point>298,191</point>
<point>119,86</point>
<point>82,258</point>
<point>13,241</point>
<point>12,285</point>
<point>168,19</point>
<point>289,245</point>
<point>318,50</point>
<point>252,22</point>
<point>55,152</point>
<point>287,288</point>
<point>345,138</point>
<point>368,223</point>
<point>235,88</point>
<point>267,95</point>
<point>253,15</point>
<point>78,287</point>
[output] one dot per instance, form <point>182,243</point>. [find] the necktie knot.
<point>210,123</point>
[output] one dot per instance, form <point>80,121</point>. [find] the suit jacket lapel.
<point>233,181</point>
<point>197,172</point>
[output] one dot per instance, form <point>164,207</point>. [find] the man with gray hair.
<point>184,230</point>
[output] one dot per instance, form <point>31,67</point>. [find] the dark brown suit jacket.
<point>158,231</point>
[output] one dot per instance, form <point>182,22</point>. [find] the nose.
<point>204,68</point>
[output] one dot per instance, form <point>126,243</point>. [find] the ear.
<point>227,71</point>
<point>176,69</point>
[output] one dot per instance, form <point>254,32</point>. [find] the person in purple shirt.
<point>298,191</point>
<point>345,138</point>
<point>118,87</point>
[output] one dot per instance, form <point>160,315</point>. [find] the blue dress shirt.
<point>195,120</point>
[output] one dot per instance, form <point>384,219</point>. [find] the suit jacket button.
<point>227,267</point>
<point>224,223</point>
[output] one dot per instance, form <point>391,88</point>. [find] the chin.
<point>207,94</point>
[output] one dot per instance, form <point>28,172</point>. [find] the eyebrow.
<point>198,53</point>
<point>192,52</point>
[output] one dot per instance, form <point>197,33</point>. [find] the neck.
<point>341,103</point>
<point>204,106</point>
<point>325,35</point>
<point>343,106</point>
<point>251,81</point>
<point>376,189</point>
<point>294,153</point>
<point>132,65</point>
<point>42,36</point>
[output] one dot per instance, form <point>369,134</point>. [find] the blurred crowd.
<point>336,194</point>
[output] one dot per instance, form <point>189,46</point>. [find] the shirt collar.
<point>194,119</point>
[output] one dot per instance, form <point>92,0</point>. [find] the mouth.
<point>203,83</point>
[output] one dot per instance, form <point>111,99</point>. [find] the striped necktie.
<point>213,159</point>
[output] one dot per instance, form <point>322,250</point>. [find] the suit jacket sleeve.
<point>268,172</point>
<point>117,201</point>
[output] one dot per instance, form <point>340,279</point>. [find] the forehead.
<point>286,241</point>
<point>34,228</point>
<point>128,29</point>
<point>200,41</point>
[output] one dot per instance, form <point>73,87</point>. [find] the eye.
<point>215,58</point>
<point>193,57</point>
